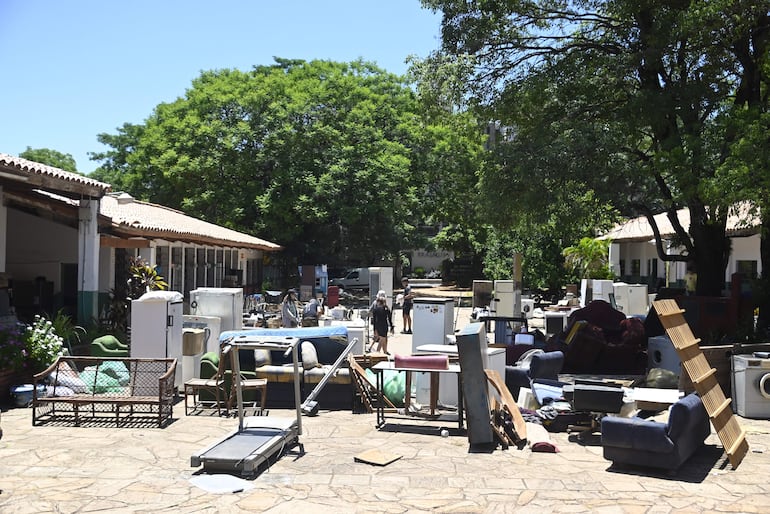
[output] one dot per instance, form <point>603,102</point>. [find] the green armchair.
<point>108,346</point>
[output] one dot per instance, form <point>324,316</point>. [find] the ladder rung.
<point>672,313</point>
<point>691,342</point>
<point>709,373</point>
<point>721,408</point>
<point>737,442</point>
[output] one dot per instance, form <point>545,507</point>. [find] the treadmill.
<point>257,438</point>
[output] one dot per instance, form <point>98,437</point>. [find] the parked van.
<point>356,278</point>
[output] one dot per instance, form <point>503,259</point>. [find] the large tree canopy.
<point>329,159</point>
<point>50,157</point>
<point>623,103</point>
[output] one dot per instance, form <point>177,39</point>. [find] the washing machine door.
<point>764,386</point>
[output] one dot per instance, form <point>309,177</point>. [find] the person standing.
<point>289,312</point>
<point>406,308</point>
<point>382,320</point>
<point>311,313</point>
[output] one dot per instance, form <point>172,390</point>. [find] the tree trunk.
<point>762,295</point>
<point>712,251</point>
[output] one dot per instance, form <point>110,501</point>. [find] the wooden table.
<point>379,370</point>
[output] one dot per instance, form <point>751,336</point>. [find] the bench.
<point>100,388</point>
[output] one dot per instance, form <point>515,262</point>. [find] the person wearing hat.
<point>289,312</point>
<point>406,307</point>
<point>382,320</point>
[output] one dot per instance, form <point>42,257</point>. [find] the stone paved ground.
<point>67,469</point>
<point>92,469</point>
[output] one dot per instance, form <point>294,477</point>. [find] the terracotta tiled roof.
<point>47,177</point>
<point>134,218</point>
<point>740,222</point>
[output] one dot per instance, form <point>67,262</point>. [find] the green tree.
<point>328,159</point>
<point>589,259</point>
<point>617,104</point>
<point>50,157</point>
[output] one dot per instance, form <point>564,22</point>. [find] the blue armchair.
<point>541,366</point>
<point>653,444</point>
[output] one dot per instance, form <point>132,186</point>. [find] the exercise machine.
<point>257,438</point>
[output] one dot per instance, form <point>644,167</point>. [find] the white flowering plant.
<point>43,345</point>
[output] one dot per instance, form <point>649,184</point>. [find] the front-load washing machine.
<point>662,354</point>
<point>751,386</point>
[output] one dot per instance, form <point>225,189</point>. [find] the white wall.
<point>37,247</point>
<point>744,249</point>
<point>429,260</point>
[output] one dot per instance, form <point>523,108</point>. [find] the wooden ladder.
<point>703,377</point>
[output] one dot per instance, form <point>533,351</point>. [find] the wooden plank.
<point>519,425</point>
<point>376,457</point>
<point>703,377</point>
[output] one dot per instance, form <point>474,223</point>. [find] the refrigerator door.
<point>432,321</point>
<point>223,302</point>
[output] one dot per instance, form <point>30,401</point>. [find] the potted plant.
<point>27,350</point>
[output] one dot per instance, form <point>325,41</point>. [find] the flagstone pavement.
<point>102,468</point>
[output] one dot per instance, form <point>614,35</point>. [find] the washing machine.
<point>751,386</point>
<point>662,354</point>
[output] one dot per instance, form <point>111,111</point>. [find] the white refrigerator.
<point>432,321</point>
<point>223,302</point>
<point>156,328</point>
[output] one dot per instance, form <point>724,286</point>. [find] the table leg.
<point>434,381</point>
<point>407,391</point>
<point>460,412</point>
<point>380,400</point>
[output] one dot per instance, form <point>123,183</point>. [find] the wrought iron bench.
<point>79,388</point>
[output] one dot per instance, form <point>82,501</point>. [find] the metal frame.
<point>259,437</point>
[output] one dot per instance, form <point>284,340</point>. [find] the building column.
<point>614,259</point>
<point>3,231</point>
<point>88,261</point>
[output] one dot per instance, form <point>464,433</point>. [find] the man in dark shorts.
<point>406,308</point>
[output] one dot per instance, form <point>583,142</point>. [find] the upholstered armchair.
<point>540,366</point>
<point>108,346</point>
<point>667,445</point>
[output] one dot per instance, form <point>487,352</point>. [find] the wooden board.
<point>367,391</point>
<point>519,425</point>
<point>704,378</point>
<point>376,457</point>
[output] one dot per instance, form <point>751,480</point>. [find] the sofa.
<point>320,348</point>
<point>647,443</point>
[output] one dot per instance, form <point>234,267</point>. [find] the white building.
<point>63,236</point>
<point>634,257</point>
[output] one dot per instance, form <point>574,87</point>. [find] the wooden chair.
<point>247,384</point>
<point>215,384</point>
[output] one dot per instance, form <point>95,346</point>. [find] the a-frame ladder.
<point>703,377</point>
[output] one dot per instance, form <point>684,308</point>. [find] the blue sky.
<point>77,68</point>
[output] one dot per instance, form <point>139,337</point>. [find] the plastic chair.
<point>108,346</point>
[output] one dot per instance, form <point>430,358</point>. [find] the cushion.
<point>262,358</point>
<point>58,390</point>
<point>309,355</point>
<point>116,370</point>
<point>68,377</point>
<point>422,361</point>
<point>315,375</point>
<point>99,382</point>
